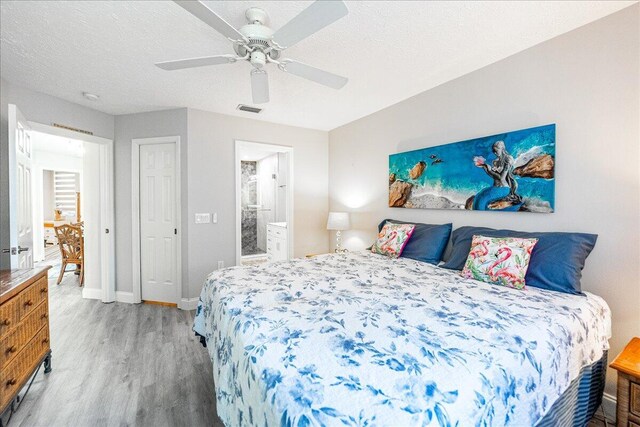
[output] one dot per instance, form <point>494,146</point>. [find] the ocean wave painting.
<point>513,171</point>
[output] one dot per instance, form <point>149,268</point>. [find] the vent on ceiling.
<point>249,108</point>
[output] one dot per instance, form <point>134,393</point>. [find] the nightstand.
<point>628,366</point>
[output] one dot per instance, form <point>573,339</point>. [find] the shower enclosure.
<point>263,201</point>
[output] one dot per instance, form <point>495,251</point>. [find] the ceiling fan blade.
<point>314,74</point>
<point>259,86</point>
<point>209,17</point>
<point>196,62</point>
<point>314,18</point>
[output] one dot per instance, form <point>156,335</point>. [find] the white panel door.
<point>158,239</point>
<point>20,191</point>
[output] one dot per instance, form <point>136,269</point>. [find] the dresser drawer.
<point>634,398</point>
<point>10,346</point>
<point>31,297</point>
<point>15,341</point>
<point>9,315</point>
<point>279,232</point>
<point>15,374</point>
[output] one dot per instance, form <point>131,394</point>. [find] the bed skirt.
<point>579,402</point>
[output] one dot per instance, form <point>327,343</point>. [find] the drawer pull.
<point>28,303</point>
<point>44,316</point>
<point>12,349</point>
<point>43,290</point>
<point>45,341</point>
<point>6,322</point>
<point>11,382</point>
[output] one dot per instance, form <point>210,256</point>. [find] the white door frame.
<point>240,144</point>
<point>135,212</point>
<point>107,209</point>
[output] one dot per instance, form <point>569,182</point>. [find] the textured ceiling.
<point>389,50</point>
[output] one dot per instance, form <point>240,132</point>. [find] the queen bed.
<point>362,339</point>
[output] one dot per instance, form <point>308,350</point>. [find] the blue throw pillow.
<point>427,243</point>
<point>556,260</point>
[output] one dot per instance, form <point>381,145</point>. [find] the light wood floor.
<point>119,364</point>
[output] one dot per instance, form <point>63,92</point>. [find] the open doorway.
<point>61,177</point>
<point>59,188</point>
<point>264,203</point>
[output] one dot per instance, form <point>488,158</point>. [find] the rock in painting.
<point>399,192</point>
<point>417,171</point>
<point>495,199</point>
<point>392,178</point>
<point>539,167</point>
<point>468,205</point>
<point>541,206</point>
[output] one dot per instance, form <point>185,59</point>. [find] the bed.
<point>361,339</point>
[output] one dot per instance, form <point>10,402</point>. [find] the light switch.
<point>215,217</point>
<point>203,218</point>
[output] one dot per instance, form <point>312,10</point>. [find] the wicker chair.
<point>71,243</point>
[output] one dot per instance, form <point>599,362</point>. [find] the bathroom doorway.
<point>264,189</point>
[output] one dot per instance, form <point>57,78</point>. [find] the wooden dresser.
<point>628,366</point>
<point>24,329</point>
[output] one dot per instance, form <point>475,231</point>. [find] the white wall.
<point>48,195</point>
<point>45,109</point>
<point>207,144</point>
<point>587,82</point>
<point>212,186</point>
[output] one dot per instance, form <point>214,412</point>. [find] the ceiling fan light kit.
<point>258,44</point>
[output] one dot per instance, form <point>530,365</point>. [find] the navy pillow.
<point>556,261</point>
<point>427,243</point>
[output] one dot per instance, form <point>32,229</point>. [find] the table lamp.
<point>338,221</point>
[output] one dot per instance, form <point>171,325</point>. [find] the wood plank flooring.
<point>119,365</point>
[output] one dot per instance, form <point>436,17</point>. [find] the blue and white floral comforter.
<point>359,339</point>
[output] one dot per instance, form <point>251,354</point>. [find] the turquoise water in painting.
<point>452,173</point>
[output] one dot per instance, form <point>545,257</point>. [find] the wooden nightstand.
<point>628,366</point>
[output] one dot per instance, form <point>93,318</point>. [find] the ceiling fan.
<point>258,44</point>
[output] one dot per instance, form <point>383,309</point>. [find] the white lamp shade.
<point>338,221</point>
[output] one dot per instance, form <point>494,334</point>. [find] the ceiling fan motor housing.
<point>258,34</point>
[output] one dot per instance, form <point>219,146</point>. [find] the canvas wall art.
<point>513,171</point>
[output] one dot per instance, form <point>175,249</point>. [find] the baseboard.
<point>124,297</point>
<point>609,405</point>
<point>127,297</point>
<point>91,293</point>
<point>188,303</point>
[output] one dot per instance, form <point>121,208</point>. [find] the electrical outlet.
<point>220,264</point>
<point>215,217</point>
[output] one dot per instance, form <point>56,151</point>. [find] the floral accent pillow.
<point>499,260</point>
<point>392,239</point>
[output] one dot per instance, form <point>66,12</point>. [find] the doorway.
<point>264,203</point>
<point>157,260</point>
<point>26,199</point>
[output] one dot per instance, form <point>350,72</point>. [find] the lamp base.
<point>339,249</point>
